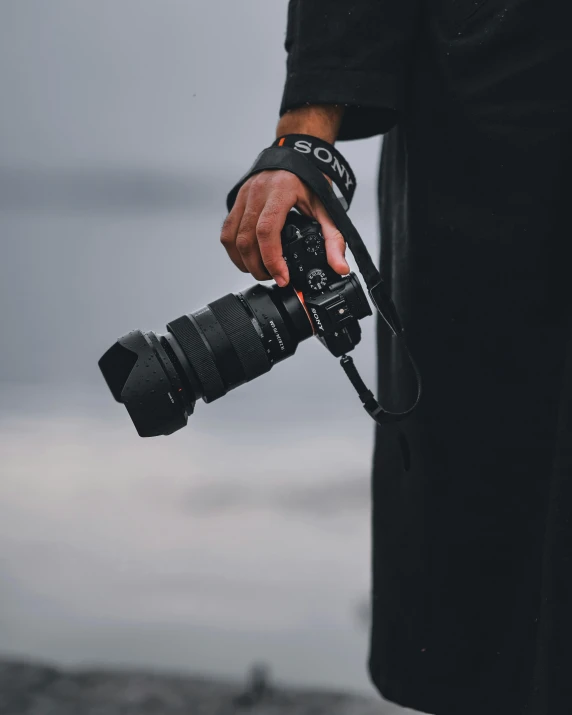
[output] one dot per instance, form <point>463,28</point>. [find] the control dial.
<point>313,244</point>
<point>317,279</point>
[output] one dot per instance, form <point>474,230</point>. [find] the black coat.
<point>472,539</point>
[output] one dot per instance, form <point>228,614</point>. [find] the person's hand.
<point>251,231</point>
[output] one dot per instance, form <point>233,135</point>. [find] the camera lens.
<point>204,354</point>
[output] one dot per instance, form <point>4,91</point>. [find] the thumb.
<point>335,244</point>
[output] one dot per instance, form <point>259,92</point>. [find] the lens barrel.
<point>203,355</point>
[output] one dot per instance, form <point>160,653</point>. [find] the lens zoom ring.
<point>230,313</point>
<point>199,356</point>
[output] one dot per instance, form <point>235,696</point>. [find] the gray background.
<point>244,536</point>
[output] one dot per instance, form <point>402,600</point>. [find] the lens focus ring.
<point>199,356</point>
<point>235,322</point>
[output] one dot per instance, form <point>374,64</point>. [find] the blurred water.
<point>205,551</point>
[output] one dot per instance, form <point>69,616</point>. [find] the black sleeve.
<point>352,52</point>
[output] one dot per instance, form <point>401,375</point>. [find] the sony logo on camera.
<point>323,154</point>
<point>317,319</point>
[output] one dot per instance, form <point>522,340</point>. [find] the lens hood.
<point>141,376</point>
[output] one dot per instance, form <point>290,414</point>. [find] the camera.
<point>236,338</point>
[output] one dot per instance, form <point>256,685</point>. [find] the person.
<point>472,530</point>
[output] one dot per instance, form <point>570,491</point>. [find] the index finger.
<point>268,230</point>
<point>230,229</point>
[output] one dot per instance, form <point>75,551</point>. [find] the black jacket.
<point>472,537</point>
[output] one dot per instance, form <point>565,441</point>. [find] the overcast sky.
<point>123,125</point>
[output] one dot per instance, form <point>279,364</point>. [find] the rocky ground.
<point>32,689</point>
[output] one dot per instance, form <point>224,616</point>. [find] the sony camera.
<point>236,338</point>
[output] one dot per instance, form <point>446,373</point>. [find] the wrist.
<point>318,120</point>
<point>324,156</point>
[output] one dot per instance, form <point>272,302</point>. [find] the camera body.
<point>334,303</point>
<point>236,338</point>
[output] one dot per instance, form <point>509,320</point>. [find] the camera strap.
<point>288,159</point>
<point>328,160</point>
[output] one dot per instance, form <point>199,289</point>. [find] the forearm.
<point>318,120</point>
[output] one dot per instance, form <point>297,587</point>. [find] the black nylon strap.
<point>327,158</point>
<point>287,159</point>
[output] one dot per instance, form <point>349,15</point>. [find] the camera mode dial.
<point>317,279</point>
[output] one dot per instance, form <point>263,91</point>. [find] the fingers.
<point>335,244</point>
<point>230,229</point>
<point>268,232</point>
<point>251,231</point>
<point>246,238</point>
